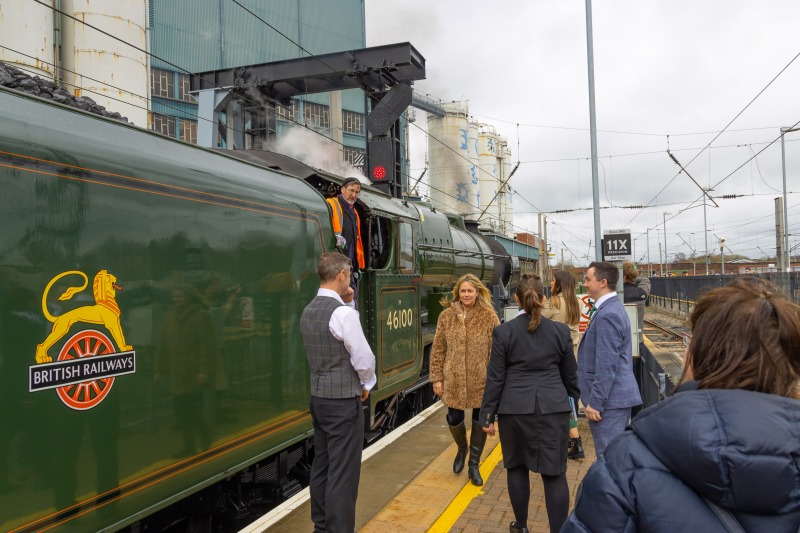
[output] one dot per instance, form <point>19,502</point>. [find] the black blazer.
<point>526,368</point>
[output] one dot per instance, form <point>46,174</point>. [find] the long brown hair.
<point>565,286</point>
<point>745,336</point>
<point>530,291</point>
<point>483,299</point>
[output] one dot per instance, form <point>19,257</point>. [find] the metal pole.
<point>785,266</point>
<point>660,259</point>
<point>649,263</point>
<point>546,273</point>
<point>598,252</point>
<point>543,251</point>
<point>666,256</point>
<point>705,232</point>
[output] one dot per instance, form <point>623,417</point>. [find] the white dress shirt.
<point>345,326</point>
<point>600,301</point>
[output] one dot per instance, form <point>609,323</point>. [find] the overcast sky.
<point>667,74</point>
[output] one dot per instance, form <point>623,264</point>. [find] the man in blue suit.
<point>605,362</point>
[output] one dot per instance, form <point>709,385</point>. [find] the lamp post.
<point>694,253</point>
<point>722,253</point>
<point>785,258</point>
<point>666,256</point>
<point>705,227</point>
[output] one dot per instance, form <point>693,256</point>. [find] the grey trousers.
<point>612,425</point>
<point>336,469</point>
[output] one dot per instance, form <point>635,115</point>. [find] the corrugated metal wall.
<point>201,35</point>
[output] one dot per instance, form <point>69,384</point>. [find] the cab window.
<point>405,256</point>
<point>379,233</point>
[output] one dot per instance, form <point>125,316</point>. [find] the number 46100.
<point>400,319</point>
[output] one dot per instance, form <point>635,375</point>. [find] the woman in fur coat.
<point>459,359</point>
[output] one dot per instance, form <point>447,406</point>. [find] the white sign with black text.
<point>617,245</point>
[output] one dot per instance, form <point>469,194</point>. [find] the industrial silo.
<point>30,29</point>
<point>487,177</point>
<point>505,197</point>
<point>112,73</point>
<point>451,188</point>
<point>474,161</point>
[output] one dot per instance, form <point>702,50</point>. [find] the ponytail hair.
<point>530,292</point>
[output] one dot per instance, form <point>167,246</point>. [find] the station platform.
<point>408,485</point>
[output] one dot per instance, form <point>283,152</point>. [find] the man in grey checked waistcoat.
<point>342,374</point>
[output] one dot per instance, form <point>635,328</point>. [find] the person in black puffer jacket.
<point>726,445</point>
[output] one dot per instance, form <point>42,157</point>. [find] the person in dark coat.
<point>635,289</point>
<point>532,374</point>
<point>725,446</point>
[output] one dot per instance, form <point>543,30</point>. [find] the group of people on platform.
<point>524,373</point>
<point>723,454</point>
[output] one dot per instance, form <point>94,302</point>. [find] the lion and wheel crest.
<point>86,343</point>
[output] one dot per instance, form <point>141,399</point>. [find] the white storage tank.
<point>474,161</point>
<point>488,150</point>
<point>506,197</point>
<point>448,161</point>
<point>111,73</point>
<point>451,188</point>
<point>27,27</point>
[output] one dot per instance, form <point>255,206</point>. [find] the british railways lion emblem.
<point>88,361</point>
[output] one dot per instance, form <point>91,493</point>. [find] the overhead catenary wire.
<point>637,154</point>
<point>621,132</point>
<point>723,130</point>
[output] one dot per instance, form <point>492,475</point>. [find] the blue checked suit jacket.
<point>605,362</point>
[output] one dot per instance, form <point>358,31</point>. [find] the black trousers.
<point>336,470</point>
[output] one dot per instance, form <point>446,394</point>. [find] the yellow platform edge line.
<point>649,344</point>
<point>466,495</point>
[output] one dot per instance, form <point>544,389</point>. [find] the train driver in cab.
<point>347,226</point>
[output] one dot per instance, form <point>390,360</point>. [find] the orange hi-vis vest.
<point>336,220</point>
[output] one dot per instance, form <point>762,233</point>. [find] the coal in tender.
<point>16,79</point>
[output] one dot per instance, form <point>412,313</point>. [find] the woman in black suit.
<point>532,372</point>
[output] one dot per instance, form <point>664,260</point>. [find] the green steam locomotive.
<point>150,295</point>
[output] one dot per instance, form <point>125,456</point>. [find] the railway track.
<point>670,341</point>
<point>663,331</point>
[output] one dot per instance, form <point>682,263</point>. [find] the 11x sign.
<point>617,245</point>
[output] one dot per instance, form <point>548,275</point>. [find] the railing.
<point>678,295</point>
<point>655,384</point>
<point>678,292</point>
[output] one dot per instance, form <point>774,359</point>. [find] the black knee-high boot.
<point>459,434</point>
<point>477,440</point>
